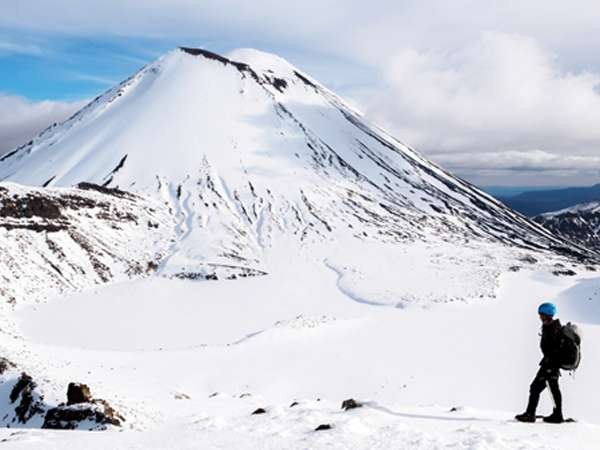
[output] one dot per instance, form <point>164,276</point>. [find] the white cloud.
<point>487,104</point>
<point>21,119</point>
<point>533,160</point>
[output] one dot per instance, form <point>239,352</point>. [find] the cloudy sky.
<point>502,93</point>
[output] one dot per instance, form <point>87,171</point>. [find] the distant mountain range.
<point>580,223</point>
<point>533,203</point>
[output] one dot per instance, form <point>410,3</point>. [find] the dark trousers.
<point>544,377</point>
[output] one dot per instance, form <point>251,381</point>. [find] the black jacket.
<point>550,345</point>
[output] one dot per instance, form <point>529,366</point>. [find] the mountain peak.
<point>262,61</point>
<point>255,62</point>
<point>212,56</point>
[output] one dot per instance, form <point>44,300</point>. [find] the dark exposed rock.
<point>190,276</point>
<point>294,404</point>
<point>242,67</point>
<point>259,411</point>
<point>104,190</point>
<point>81,411</point>
<point>78,393</point>
<point>529,259</point>
<point>567,273</point>
<point>29,206</point>
<point>70,417</point>
<point>207,54</point>
<point>514,268</point>
<point>5,364</point>
<point>152,266</point>
<point>350,404</point>
<point>305,80</point>
<point>48,181</point>
<point>22,394</point>
<point>81,407</point>
<point>323,426</point>
<point>41,212</point>
<point>37,227</point>
<point>279,83</point>
<point>22,383</point>
<point>8,155</point>
<point>120,165</point>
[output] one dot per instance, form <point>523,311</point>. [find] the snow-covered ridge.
<point>591,207</point>
<point>58,239</point>
<point>579,223</point>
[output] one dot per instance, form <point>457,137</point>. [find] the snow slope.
<point>271,341</point>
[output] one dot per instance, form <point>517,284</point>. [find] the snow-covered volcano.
<point>248,149</point>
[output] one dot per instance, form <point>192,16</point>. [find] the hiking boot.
<point>525,417</point>
<point>555,417</point>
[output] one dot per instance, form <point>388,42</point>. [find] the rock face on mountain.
<point>579,224</point>
<point>247,150</point>
<point>52,240</point>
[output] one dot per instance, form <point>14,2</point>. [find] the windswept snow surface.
<point>188,362</point>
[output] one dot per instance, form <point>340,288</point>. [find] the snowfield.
<point>272,250</point>
<point>188,362</point>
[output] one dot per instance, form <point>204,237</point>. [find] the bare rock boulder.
<point>78,393</point>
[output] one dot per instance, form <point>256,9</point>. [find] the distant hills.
<point>533,203</point>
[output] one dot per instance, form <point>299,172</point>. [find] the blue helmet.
<point>547,309</point>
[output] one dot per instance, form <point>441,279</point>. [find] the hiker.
<point>549,370</point>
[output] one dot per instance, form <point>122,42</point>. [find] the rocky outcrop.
<point>26,400</point>
<point>78,393</point>
<point>350,404</point>
<point>56,240</point>
<point>23,405</point>
<point>82,411</point>
<point>95,415</point>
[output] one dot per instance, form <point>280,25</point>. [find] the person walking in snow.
<point>549,370</point>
